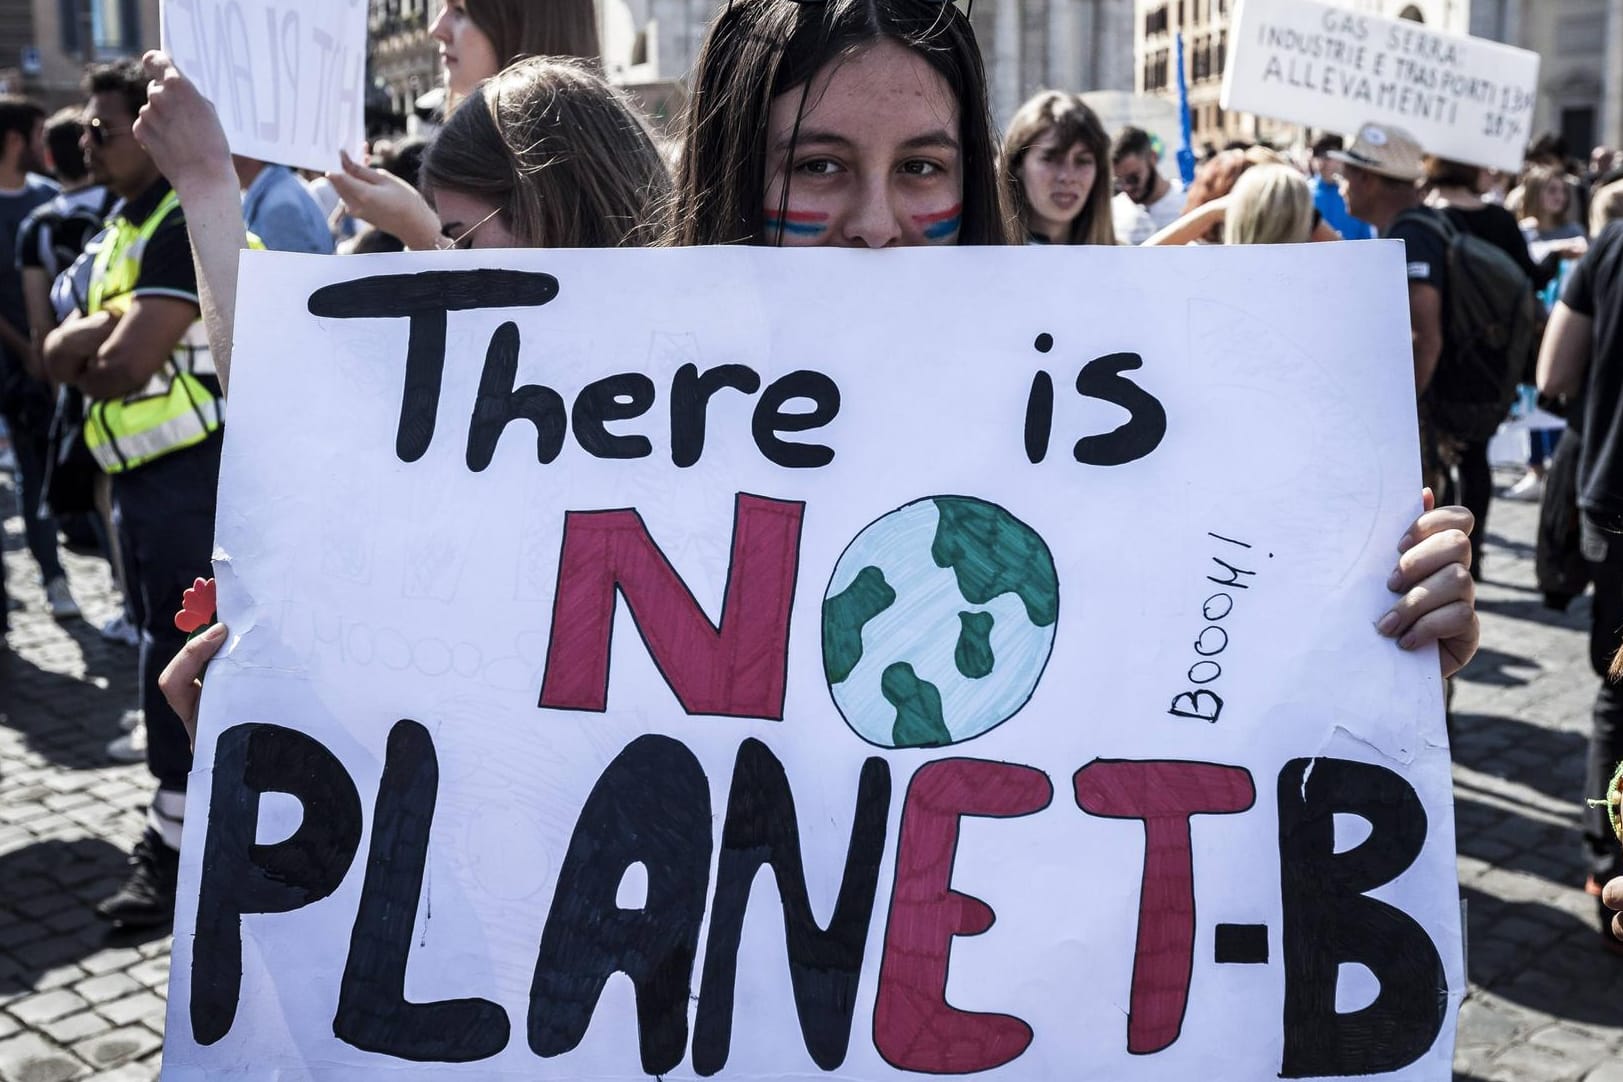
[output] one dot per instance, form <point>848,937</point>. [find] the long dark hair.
<point>758,49</point>
<point>521,28</point>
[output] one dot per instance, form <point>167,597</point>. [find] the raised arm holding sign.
<point>287,77</point>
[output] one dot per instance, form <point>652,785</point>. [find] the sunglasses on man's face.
<point>99,132</point>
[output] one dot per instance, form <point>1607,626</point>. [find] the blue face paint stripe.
<point>797,229</point>
<point>943,229</point>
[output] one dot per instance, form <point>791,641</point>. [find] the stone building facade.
<point>45,44</point>
<point>1028,45</point>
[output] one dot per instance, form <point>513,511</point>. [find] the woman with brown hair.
<point>477,39</point>
<point>1550,217</point>
<point>544,155</point>
<point>480,37</point>
<point>1056,166</point>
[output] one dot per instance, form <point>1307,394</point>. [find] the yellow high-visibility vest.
<point>175,409</point>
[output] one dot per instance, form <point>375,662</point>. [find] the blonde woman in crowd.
<point>1270,204</point>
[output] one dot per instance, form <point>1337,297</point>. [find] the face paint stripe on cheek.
<point>942,224</point>
<point>797,223</point>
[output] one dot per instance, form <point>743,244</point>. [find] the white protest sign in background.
<point>1324,66</point>
<point>287,77</point>
<point>825,664</point>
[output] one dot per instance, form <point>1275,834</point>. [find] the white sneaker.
<point>131,720</point>
<point>57,595</point>
<point>129,748</point>
<point>1530,487</point>
<point>121,630</point>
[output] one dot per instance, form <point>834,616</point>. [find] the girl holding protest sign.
<point>1056,163</point>
<point>863,123</point>
<point>477,39</point>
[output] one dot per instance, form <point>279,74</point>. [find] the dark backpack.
<point>1490,334</point>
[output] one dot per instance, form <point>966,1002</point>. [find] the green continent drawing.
<point>918,709</point>
<point>974,652</point>
<point>994,553</point>
<point>938,622</point>
<point>844,615</point>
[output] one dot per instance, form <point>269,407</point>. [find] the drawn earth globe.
<point>938,622</point>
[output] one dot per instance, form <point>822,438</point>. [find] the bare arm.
<point>69,348</point>
<point>1563,357</point>
<point>1426,324</point>
<point>1192,226</point>
<point>180,130</point>
<point>41,316</point>
<point>140,342</point>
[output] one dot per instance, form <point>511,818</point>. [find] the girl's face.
<point>466,51</point>
<point>1553,199</point>
<point>470,222</point>
<point>876,161</point>
<point>1056,182</point>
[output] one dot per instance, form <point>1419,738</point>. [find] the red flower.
<point>196,607</point>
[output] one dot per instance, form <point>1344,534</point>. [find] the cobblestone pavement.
<point>1546,1001</point>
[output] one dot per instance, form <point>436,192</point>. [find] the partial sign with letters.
<point>287,77</point>
<point>823,665</point>
<point>1312,63</point>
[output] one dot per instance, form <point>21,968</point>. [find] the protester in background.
<point>547,155</point>
<point>1211,200</point>
<point>1270,204</point>
<point>1454,190</point>
<point>56,232</point>
<point>280,210</point>
<point>1605,207</point>
<point>1326,188</point>
<point>50,241</point>
<point>1550,217</point>
<point>25,403</point>
<point>477,38</point>
<point>1602,160</point>
<point>139,342</point>
<point>1582,355</point>
<point>1145,200</point>
<point>1380,172</point>
<point>1055,163</point>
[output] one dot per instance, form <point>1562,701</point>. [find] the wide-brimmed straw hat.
<point>1384,150</point>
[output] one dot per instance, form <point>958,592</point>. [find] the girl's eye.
<point>817,167</point>
<point>919,168</point>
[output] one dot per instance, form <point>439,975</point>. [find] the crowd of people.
<point>861,123</point>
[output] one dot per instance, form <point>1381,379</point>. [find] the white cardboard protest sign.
<point>287,77</point>
<point>1011,646</point>
<point>1313,63</point>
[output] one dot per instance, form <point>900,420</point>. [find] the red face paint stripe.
<point>953,211</point>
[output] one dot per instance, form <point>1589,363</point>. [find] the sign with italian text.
<point>818,664</point>
<point>1464,98</point>
<point>287,77</point>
